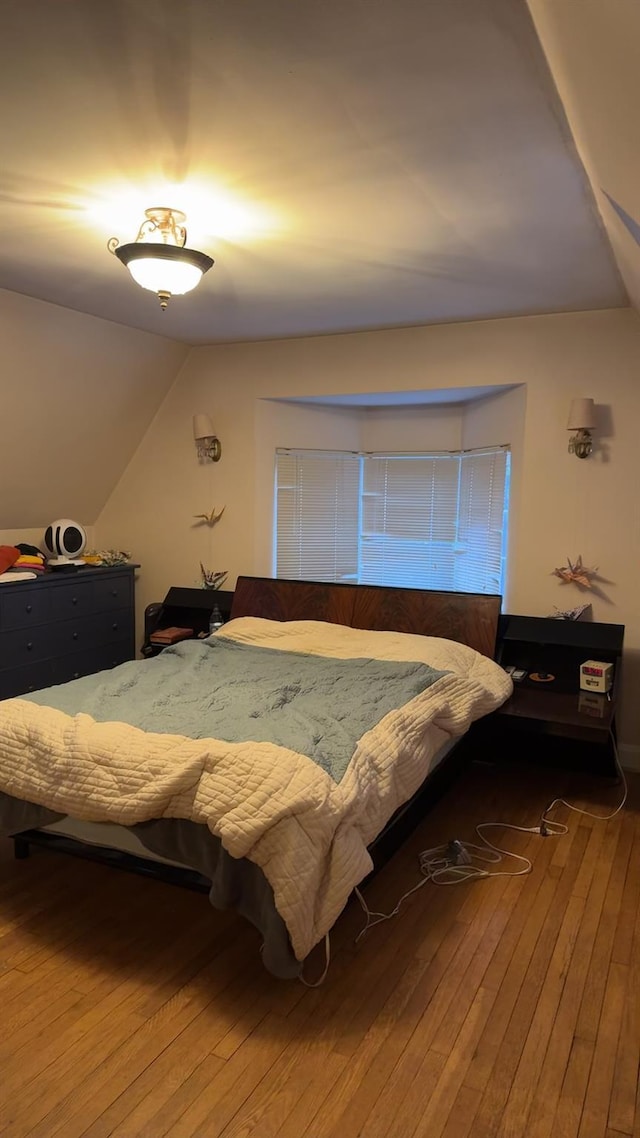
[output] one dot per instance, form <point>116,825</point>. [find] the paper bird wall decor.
<point>211,518</point>
<point>213,578</point>
<point>575,573</point>
<point>210,578</point>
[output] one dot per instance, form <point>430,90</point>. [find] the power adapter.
<point>456,853</point>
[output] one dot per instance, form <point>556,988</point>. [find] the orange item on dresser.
<point>8,556</point>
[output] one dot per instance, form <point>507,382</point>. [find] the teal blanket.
<point>217,688</point>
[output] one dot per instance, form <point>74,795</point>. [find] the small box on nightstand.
<point>596,676</point>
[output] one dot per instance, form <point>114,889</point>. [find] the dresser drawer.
<point>77,598</point>
<point>90,660</point>
<point>93,631</point>
<point>97,594</point>
<point>18,681</point>
<point>113,593</point>
<point>26,645</point>
<point>24,607</point>
<point>115,625</point>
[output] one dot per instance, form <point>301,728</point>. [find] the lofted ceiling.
<point>349,164</point>
<point>592,49</point>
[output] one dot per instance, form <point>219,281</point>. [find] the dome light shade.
<point>162,263</point>
<point>165,268</point>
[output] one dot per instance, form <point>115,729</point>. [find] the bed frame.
<point>468,618</point>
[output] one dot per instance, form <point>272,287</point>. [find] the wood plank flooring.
<point>507,1008</point>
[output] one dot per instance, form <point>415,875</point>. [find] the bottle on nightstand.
<point>215,620</point>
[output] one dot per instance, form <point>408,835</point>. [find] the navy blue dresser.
<point>65,625</point>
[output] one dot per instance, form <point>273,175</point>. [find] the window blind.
<point>409,520</point>
<point>482,522</point>
<point>317,515</point>
<point>434,521</point>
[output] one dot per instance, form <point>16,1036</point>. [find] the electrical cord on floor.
<point>548,827</point>
<point>459,861</point>
<point>321,979</point>
<point>453,863</point>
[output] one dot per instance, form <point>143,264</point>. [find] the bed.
<point>273,758</point>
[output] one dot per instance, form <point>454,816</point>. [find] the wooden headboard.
<point>469,618</point>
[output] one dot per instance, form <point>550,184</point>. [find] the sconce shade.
<point>203,427</point>
<point>207,445</point>
<point>582,415</point>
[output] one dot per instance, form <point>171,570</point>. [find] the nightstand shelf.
<point>555,724</point>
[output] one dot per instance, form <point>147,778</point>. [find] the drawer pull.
<point>74,600</point>
<point>114,626</point>
<point>28,608</point>
<point>75,636</point>
<point>114,592</point>
<point>29,645</point>
<point>76,675</point>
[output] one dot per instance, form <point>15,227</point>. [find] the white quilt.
<point>265,802</point>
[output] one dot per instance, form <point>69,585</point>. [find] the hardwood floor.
<point>492,1009</point>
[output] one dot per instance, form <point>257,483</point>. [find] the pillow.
<point>316,637</point>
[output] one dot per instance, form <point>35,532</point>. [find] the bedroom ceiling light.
<point>582,420</point>
<point>158,259</point>
<point>207,445</point>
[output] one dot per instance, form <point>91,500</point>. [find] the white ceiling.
<point>402,162</point>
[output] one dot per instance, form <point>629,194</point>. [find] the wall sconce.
<point>582,420</point>
<point>207,445</point>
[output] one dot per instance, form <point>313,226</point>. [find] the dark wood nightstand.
<point>186,608</point>
<point>556,723</point>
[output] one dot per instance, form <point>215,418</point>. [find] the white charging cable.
<point>464,861</point>
<point>455,862</point>
<point>321,979</point>
<point>549,827</point>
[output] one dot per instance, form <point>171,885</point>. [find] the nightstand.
<point>185,608</point>
<point>555,723</point>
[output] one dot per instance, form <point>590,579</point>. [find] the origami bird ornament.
<point>211,518</point>
<point>213,578</point>
<point>574,572</point>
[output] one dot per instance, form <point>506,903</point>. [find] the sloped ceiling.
<point>363,163</point>
<point>77,394</point>
<point>592,49</point>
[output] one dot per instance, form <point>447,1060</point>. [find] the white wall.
<point>564,506</point>
<point>430,427</point>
